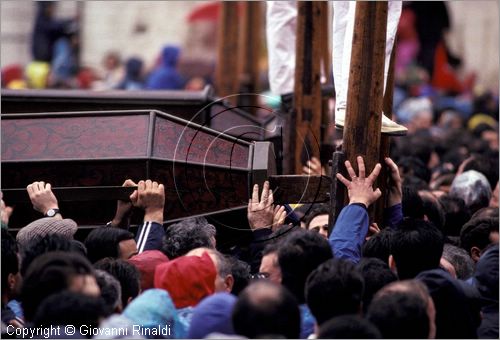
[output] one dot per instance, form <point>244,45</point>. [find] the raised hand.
<point>395,185</point>
<point>150,196</point>
<point>42,197</point>
<point>313,168</point>
<point>360,188</point>
<point>279,216</point>
<point>123,208</point>
<point>260,213</point>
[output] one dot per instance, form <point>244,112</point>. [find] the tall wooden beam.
<point>305,126</point>
<point>226,80</point>
<point>385,141</point>
<point>366,84</point>
<point>326,67</point>
<point>250,50</point>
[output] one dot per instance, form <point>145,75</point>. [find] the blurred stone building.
<point>141,28</point>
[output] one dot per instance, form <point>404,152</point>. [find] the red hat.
<point>188,279</point>
<point>146,262</point>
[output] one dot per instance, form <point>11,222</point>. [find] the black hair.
<point>376,274</point>
<point>78,247</point>
<point>453,147</point>
<point>265,309</point>
<point>348,327</point>
<point>10,261</point>
<point>476,233</point>
<point>400,315</point>
<point>415,183</point>
<point>105,242</point>
<point>270,245</point>
<point>456,214</point>
<point>321,209</point>
<point>486,212</point>
<point>111,291</point>
<point>419,146</point>
<point>416,245</point>
<point>70,308</point>
<point>187,235</point>
<point>126,273</point>
<point>486,103</point>
<point>49,274</point>
<point>412,166</point>
<point>298,255</point>
<point>334,288</point>
<point>433,209</point>
<point>480,128</point>
<point>41,245</point>
<point>455,156</point>
<point>412,203</point>
<point>379,245</point>
<point>241,274</point>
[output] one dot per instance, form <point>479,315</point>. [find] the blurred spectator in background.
<point>165,76</point>
<point>195,84</point>
<point>12,77</point>
<point>64,64</point>
<point>47,30</point>
<point>133,79</point>
<point>112,74</point>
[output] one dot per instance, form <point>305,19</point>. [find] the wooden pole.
<point>306,122</point>
<point>366,82</point>
<point>385,141</point>
<point>250,49</point>
<point>226,79</point>
<point>326,64</point>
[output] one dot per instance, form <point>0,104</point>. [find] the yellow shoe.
<point>388,126</point>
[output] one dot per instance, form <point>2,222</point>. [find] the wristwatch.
<point>52,212</point>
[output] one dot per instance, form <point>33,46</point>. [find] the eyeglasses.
<point>260,276</point>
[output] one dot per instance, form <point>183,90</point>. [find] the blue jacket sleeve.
<point>150,236</point>
<point>393,216</point>
<point>349,233</point>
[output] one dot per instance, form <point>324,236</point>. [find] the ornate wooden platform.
<point>201,107</point>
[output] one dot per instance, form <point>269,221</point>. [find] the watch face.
<point>51,212</point>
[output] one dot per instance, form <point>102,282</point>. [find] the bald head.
<point>402,305</point>
<point>266,309</point>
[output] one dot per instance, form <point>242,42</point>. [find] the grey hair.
<point>186,235</point>
<point>111,290</point>
<point>473,187</point>
<point>460,260</point>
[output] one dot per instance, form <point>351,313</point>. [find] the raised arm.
<point>393,213</point>
<point>352,224</point>
<point>150,196</point>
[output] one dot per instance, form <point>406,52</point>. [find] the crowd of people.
<point>428,270</point>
